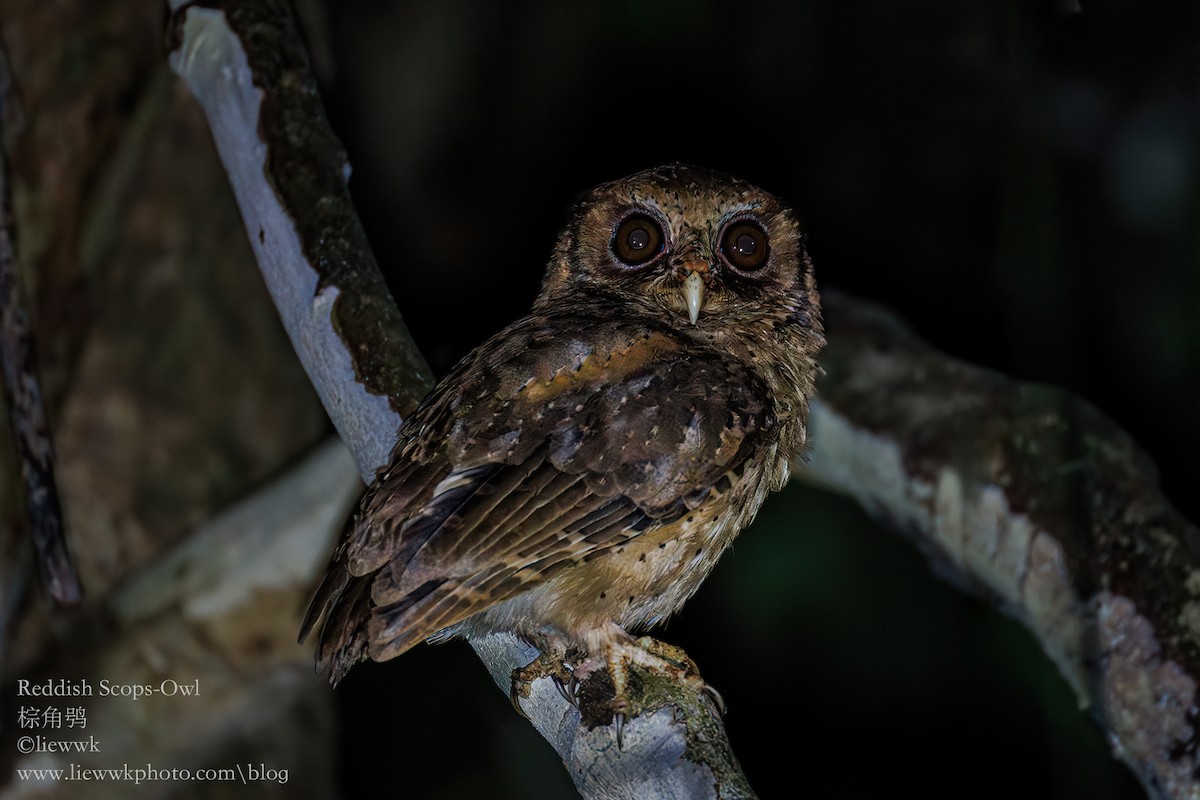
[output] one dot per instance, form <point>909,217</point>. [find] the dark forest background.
<point>1019,180</point>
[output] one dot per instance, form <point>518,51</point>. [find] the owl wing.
<point>512,471</point>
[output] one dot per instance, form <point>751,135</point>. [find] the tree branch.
<point>306,236</point>
<point>247,69</point>
<point>1030,498</point>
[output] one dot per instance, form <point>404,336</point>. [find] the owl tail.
<point>345,602</point>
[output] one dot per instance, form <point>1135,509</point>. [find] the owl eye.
<point>744,246</point>
<point>637,240</point>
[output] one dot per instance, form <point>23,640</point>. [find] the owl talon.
<point>551,664</point>
<point>568,689</point>
<point>719,701</point>
<point>514,694</point>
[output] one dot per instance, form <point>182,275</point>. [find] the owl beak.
<point>693,294</point>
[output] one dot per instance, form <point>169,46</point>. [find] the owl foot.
<point>676,657</point>
<point>549,664</point>
<point>632,667</point>
<point>629,677</point>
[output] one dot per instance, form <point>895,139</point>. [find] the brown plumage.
<point>578,475</point>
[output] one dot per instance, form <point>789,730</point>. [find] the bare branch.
<point>1029,497</point>
<point>299,218</point>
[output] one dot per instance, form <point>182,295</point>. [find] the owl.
<point>575,478</point>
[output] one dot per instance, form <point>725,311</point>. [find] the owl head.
<point>699,246</point>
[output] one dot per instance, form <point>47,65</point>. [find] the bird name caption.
<point>44,723</point>
<point>61,687</point>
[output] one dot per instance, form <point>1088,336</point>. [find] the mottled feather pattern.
<point>601,424</point>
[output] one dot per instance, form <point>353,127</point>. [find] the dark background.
<point>1017,179</point>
